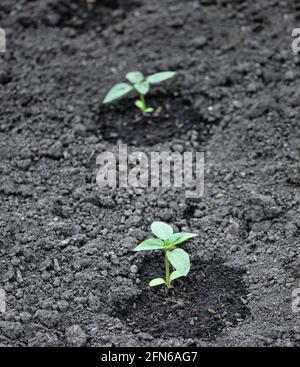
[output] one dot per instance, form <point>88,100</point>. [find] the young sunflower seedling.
<point>167,241</point>
<point>139,83</point>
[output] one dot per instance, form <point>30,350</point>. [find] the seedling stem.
<point>168,283</point>
<point>144,108</point>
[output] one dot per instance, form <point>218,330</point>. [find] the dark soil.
<point>174,118</point>
<point>66,259</point>
<point>79,14</point>
<point>199,306</point>
<point>88,14</point>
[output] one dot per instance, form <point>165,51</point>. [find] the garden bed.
<point>67,264</point>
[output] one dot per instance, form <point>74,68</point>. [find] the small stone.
<point>145,336</point>
<point>8,276</point>
<point>24,164</point>
<point>56,265</point>
<point>294,176</point>
<point>94,303</point>
<point>252,87</point>
<point>291,229</point>
<point>129,242</point>
<point>75,336</point>
<point>64,243</point>
<point>273,212</point>
<point>234,228</point>
<point>134,220</point>
<point>199,42</point>
<point>52,19</point>
<point>25,317</point>
<point>134,269</point>
<point>56,150</point>
<point>80,130</point>
<point>289,75</point>
<point>62,305</point>
<point>19,276</point>
<point>165,214</point>
<point>56,282</point>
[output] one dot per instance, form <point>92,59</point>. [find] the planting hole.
<point>174,117</point>
<point>200,305</point>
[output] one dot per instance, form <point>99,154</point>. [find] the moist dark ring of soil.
<point>174,117</point>
<point>200,305</point>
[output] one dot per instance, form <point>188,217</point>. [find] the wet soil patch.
<point>199,306</point>
<point>174,117</point>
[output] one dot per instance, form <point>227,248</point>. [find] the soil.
<point>174,117</point>
<point>66,260</point>
<point>199,307</point>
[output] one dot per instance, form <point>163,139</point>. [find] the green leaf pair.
<point>166,240</point>
<point>141,85</point>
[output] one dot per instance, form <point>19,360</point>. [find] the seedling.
<point>167,241</point>
<point>140,84</point>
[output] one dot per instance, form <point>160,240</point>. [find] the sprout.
<point>167,241</point>
<point>140,84</point>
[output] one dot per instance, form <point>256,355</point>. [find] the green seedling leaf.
<point>135,77</point>
<point>160,77</point>
<point>178,238</point>
<point>161,230</point>
<point>143,87</point>
<point>175,275</point>
<point>180,260</point>
<point>117,91</point>
<point>139,104</point>
<point>151,244</point>
<point>140,84</point>
<point>156,281</point>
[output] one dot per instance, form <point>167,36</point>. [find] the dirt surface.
<point>199,307</point>
<point>66,260</point>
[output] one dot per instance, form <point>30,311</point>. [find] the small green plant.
<point>141,85</point>
<point>167,241</point>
